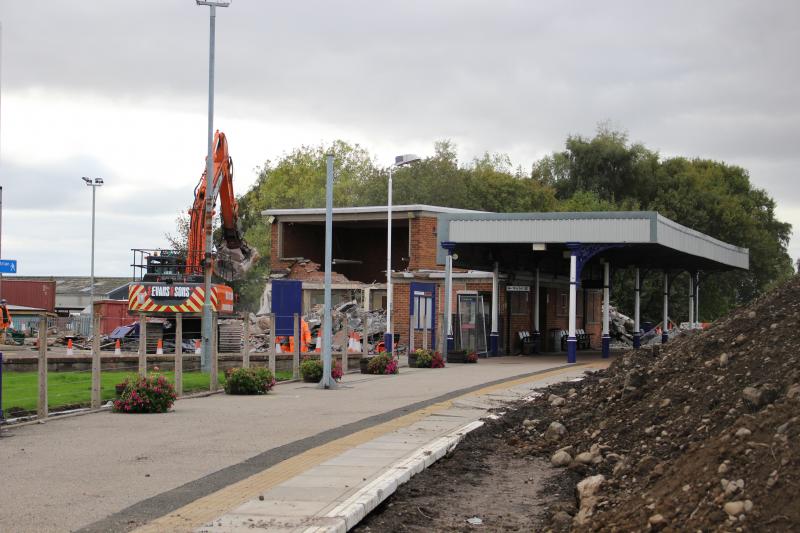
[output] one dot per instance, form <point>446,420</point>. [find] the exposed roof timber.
<point>649,238</point>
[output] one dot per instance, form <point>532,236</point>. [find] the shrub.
<point>311,370</point>
<point>424,358</point>
<point>437,361</point>
<point>382,364</point>
<point>472,357</point>
<point>149,394</point>
<point>248,381</point>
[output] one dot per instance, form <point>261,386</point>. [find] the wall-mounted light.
<point>538,247</point>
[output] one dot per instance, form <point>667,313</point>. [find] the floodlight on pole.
<point>206,327</point>
<point>388,338</point>
<point>94,184</point>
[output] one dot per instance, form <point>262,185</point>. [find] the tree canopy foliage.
<point>604,172</point>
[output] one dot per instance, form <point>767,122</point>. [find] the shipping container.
<point>113,313</point>
<point>29,293</point>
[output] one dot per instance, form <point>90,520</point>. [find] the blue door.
<point>422,305</point>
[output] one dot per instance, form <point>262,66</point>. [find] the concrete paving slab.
<point>110,472</point>
<point>350,504</point>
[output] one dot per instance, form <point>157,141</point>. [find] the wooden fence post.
<point>364,336</point>
<point>345,347</point>
<point>142,344</point>
<point>214,384</point>
<point>296,355</point>
<point>96,388</point>
<point>271,340</point>
<point>411,318</point>
<point>179,354</point>
<point>42,409</point>
<point>246,335</point>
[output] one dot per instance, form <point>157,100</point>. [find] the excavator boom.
<point>234,248</point>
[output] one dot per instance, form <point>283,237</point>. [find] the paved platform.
<point>108,472</point>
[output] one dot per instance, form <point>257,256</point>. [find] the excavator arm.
<point>234,246</point>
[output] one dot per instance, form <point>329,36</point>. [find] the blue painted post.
<point>665,325</point>
<point>536,334</point>
<point>606,304</point>
<point>494,335</point>
<point>637,328</point>
<point>572,341</point>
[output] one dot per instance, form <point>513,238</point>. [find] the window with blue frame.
<point>423,310</point>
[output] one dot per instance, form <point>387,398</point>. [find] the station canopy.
<point>524,241</point>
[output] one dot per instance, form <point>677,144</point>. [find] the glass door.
<point>471,323</point>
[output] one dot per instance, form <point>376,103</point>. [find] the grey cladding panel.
<point>551,230</point>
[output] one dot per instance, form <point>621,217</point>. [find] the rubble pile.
<point>700,434</point>
<point>346,318</point>
<point>620,328</point>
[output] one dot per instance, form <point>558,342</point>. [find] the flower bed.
<point>150,394</point>
<point>249,381</point>
<point>422,358</point>
<point>461,356</point>
<point>382,364</point>
<point>311,370</point>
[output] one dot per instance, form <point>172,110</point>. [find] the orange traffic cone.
<point>197,346</point>
<point>160,347</point>
<point>318,344</point>
<point>69,347</point>
<point>117,348</point>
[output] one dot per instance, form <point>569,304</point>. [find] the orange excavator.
<point>171,281</point>
<point>234,249</point>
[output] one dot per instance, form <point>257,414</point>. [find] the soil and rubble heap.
<point>701,434</point>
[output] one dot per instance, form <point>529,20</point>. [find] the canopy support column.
<point>536,334</point>
<point>572,341</point>
<point>691,300</point>
<point>665,325</point>
<point>448,297</point>
<point>606,303</point>
<point>494,336</point>
<point>637,328</point>
<point>697,299</point>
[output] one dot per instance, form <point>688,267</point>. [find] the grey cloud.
<point>707,79</point>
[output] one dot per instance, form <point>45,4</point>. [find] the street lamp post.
<point>388,339</point>
<point>94,184</point>
<point>205,357</point>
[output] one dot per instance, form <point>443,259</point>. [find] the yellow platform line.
<point>207,508</point>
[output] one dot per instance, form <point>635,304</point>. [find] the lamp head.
<point>87,180</point>
<point>405,159</point>
<point>98,181</point>
<point>213,3</point>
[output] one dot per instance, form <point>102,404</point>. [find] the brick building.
<point>359,257</point>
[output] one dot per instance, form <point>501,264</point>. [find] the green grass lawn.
<point>20,389</point>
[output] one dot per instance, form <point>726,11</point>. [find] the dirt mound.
<point>700,434</point>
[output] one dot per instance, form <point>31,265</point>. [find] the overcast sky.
<point>118,89</point>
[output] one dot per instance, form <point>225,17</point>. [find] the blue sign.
<point>8,266</point>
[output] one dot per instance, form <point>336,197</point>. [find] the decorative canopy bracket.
<point>584,252</point>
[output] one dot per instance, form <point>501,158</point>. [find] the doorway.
<point>471,323</point>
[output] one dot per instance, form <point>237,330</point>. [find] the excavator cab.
<point>162,265</point>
